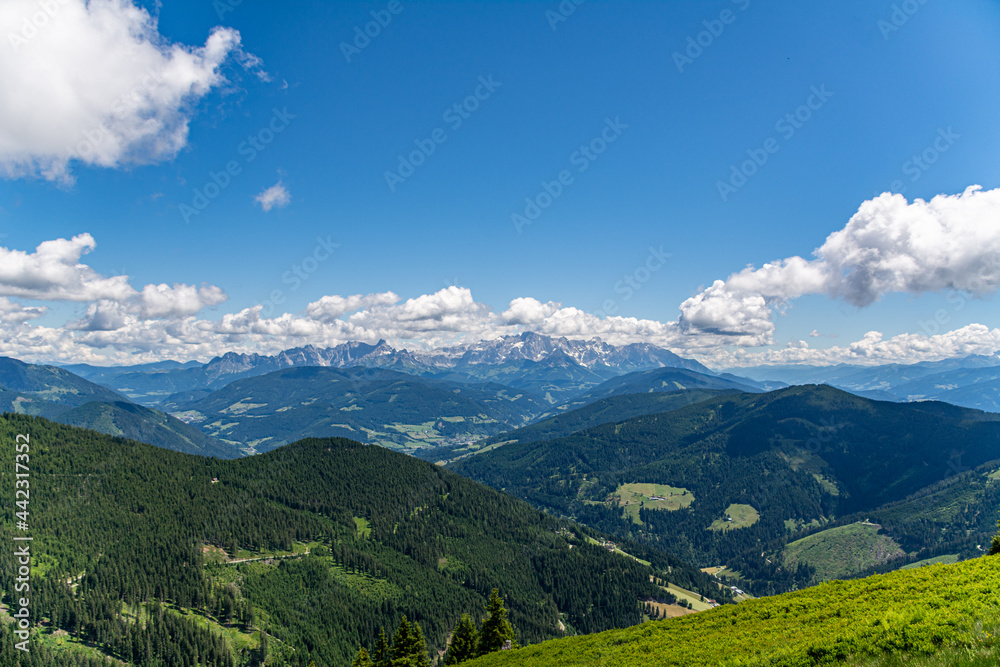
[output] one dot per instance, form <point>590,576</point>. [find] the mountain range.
<point>557,370</point>
<point>549,367</point>
<point>972,381</point>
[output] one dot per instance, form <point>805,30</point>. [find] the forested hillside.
<point>58,394</point>
<point>303,553</point>
<point>717,481</point>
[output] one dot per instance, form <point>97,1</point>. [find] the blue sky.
<point>889,90</point>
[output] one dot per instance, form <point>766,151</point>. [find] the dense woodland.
<point>807,455</point>
<point>121,528</point>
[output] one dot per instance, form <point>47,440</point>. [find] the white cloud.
<point>164,301</point>
<point>889,245</point>
<point>101,316</point>
<point>527,311</point>
<point>12,312</point>
<point>96,82</point>
<point>275,196</point>
<point>54,272</point>
<point>331,307</point>
<point>872,348</point>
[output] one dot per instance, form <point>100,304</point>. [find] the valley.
<point>339,482</point>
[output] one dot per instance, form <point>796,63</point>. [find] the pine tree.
<point>362,659</point>
<point>409,648</point>
<point>402,644</point>
<point>418,649</point>
<point>995,547</point>
<point>382,656</point>
<point>464,642</point>
<point>497,630</point>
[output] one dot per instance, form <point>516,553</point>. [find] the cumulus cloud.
<point>528,311</point>
<point>276,196</point>
<point>872,348</point>
<point>54,272</point>
<point>164,301</point>
<point>97,83</point>
<point>890,245</point>
<point>101,316</point>
<point>333,306</point>
<point>12,312</point>
<point>951,242</point>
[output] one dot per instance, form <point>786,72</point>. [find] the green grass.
<point>632,497</point>
<point>236,639</point>
<point>842,551</point>
<point>741,515</point>
<point>693,598</point>
<point>618,551</point>
<point>927,617</point>
<point>950,559</point>
<point>67,647</point>
<point>364,528</point>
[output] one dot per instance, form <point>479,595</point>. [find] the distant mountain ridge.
<point>971,382</point>
<point>551,367</point>
<point>62,396</point>
<point>527,346</point>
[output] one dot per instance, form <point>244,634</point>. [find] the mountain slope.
<point>614,408</point>
<point>225,544</point>
<point>135,422</point>
<point>51,384</point>
<point>774,461</point>
<point>658,380</point>
<point>373,405</point>
<point>58,394</point>
<point>946,609</point>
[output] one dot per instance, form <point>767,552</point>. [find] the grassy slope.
<point>916,612</point>
<point>842,551</point>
